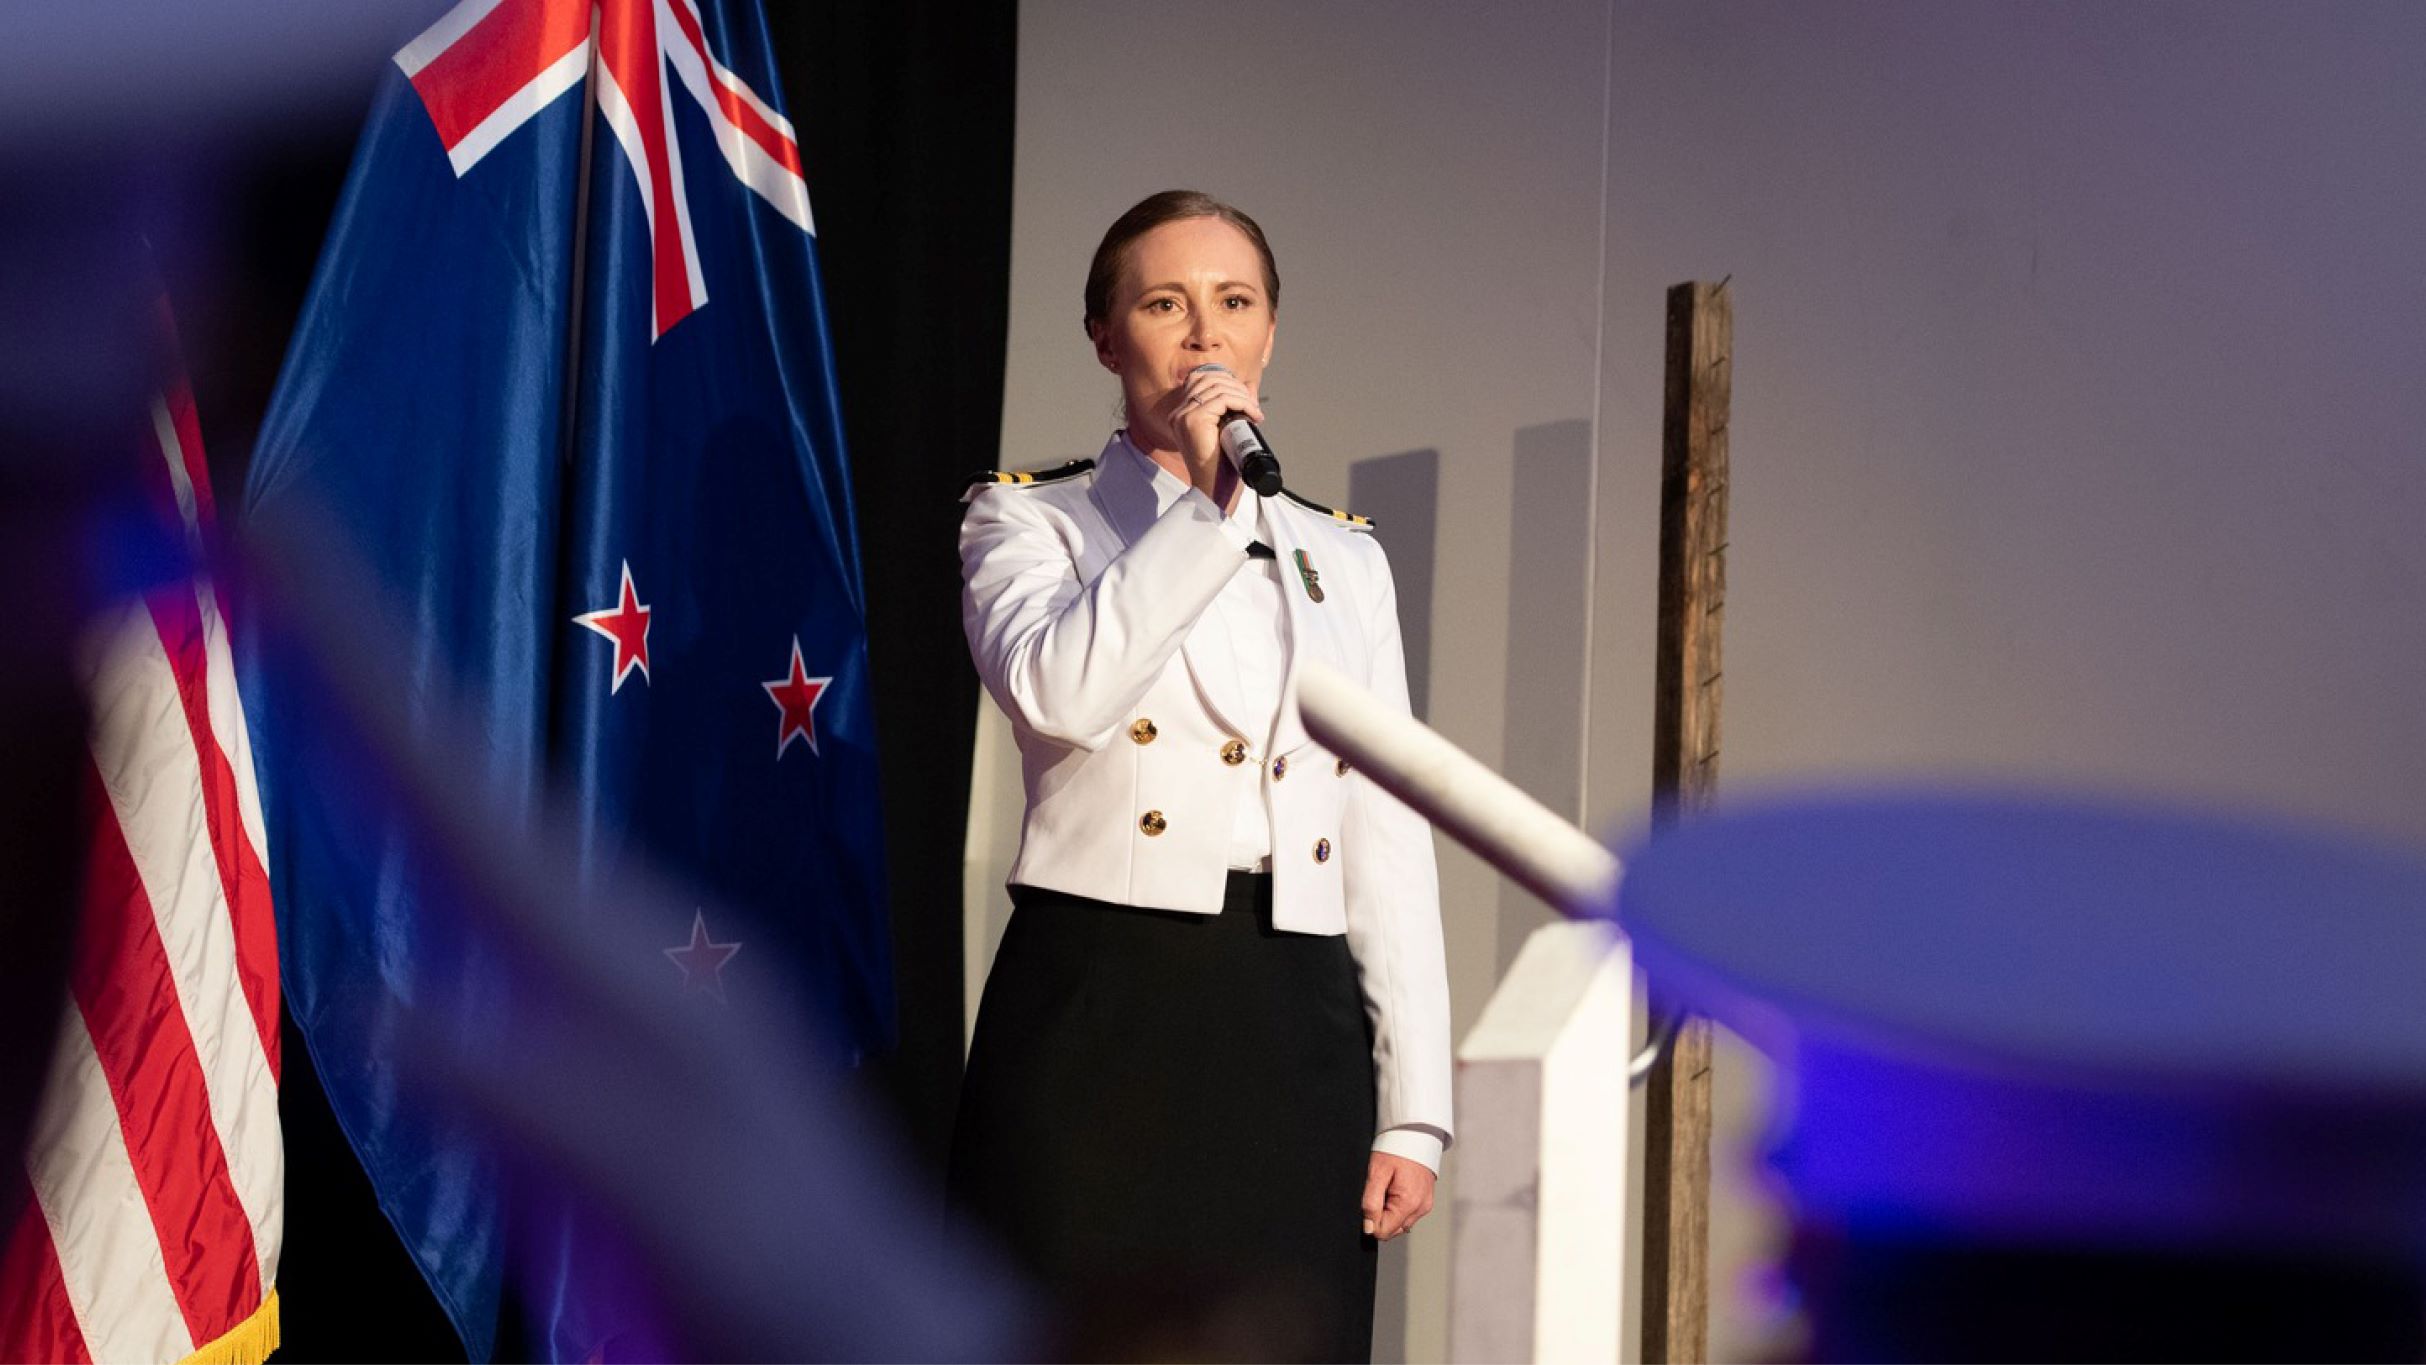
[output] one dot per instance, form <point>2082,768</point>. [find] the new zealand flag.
<point>563,384</point>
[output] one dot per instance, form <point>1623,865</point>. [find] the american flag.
<point>155,1165</point>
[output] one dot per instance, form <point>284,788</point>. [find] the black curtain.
<point>904,118</point>
<point>904,113</point>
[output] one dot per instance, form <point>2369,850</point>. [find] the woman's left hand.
<point>1398,1193</point>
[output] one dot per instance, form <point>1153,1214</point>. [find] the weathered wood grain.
<point>1684,775</point>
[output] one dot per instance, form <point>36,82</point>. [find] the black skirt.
<point>1166,1121</point>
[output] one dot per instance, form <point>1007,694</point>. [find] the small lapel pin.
<point>1307,575</point>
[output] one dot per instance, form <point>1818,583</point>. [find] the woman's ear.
<point>1101,336</point>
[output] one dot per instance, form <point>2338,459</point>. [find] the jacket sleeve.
<point>1392,887</point>
<point>1069,660</point>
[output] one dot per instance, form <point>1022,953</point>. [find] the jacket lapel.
<point>1124,491</point>
<point>1126,494</point>
<point>1310,631</point>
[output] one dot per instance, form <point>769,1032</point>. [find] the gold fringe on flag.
<point>249,1342</point>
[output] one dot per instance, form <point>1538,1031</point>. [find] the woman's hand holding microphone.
<point>1194,412</point>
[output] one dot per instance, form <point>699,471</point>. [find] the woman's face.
<point>1192,294</point>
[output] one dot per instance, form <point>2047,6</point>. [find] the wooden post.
<point>1684,775</point>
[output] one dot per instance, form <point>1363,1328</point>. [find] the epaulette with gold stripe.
<point>1348,519</point>
<point>992,478</point>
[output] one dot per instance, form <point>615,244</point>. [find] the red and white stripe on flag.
<point>156,1166</point>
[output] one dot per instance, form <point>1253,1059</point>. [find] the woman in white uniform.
<point>1211,1067</point>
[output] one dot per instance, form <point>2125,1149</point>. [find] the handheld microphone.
<point>1246,447</point>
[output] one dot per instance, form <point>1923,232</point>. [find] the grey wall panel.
<point>1549,582</point>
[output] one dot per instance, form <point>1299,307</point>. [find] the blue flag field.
<point>576,417</point>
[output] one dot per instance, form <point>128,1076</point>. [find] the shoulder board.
<point>1347,519</point>
<point>992,478</point>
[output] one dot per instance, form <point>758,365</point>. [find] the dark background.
<point>904,119</point>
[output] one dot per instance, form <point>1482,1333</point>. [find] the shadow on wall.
<point>1401,493</point>
<point>1549,611</point>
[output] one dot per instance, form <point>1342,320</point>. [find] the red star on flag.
<point>796,696</point>
<point>627,624</point>
<point>702,960</point>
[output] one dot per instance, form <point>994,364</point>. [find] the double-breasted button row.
<point>1234,753</point>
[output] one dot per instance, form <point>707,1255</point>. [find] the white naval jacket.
<point>1085,603</point>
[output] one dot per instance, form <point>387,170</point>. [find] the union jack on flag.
<point>489,65</point>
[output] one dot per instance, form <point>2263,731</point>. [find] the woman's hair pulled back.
<point>1151,212</point>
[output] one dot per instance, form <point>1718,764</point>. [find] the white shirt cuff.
<point>1414,1142</point>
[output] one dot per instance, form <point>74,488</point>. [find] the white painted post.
<point>1539,1233</point>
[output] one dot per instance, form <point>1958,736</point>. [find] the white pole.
<point>1525,840</point>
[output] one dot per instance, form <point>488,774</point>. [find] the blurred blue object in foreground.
<point>2069,1077</point>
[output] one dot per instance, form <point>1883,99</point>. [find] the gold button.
<point>1342,769</point>
<point>1322,850</point>
<point>1153,823</point>
<point>1234,752</point>
<point>1280,767</point>
<point>1143,731</point>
